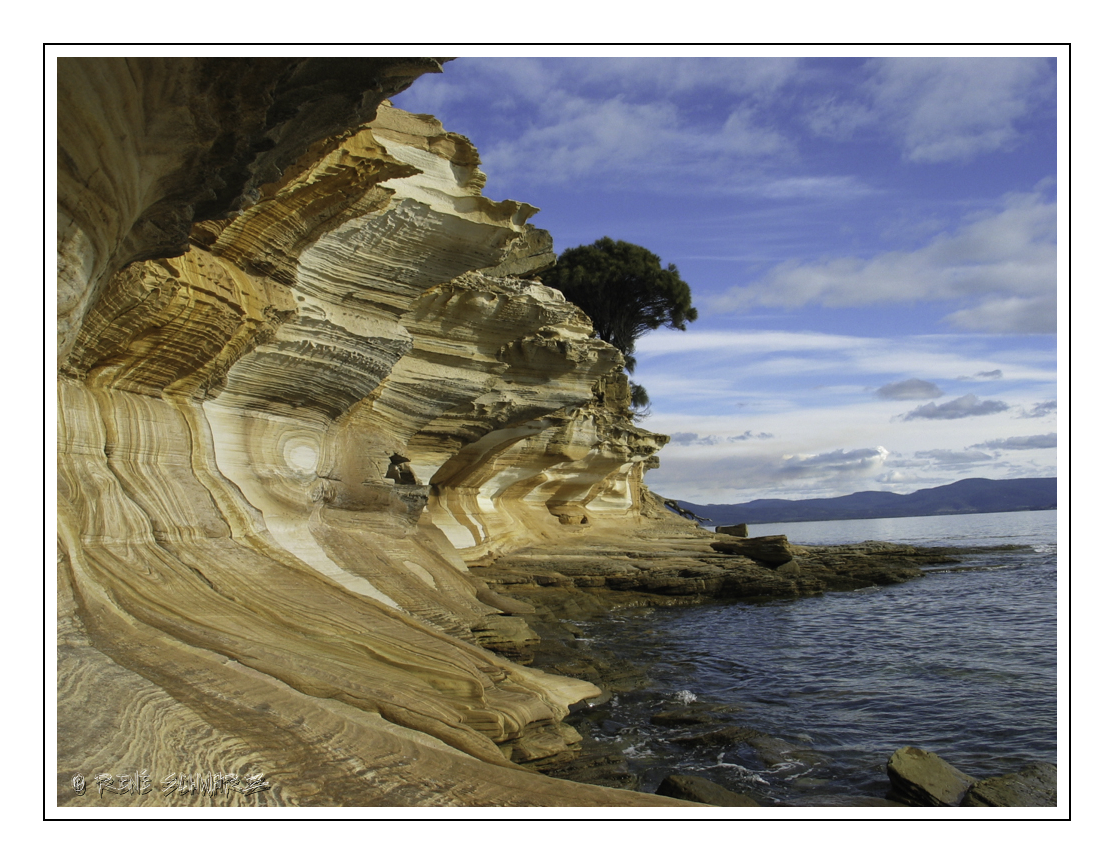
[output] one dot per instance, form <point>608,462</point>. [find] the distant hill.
<point>965,496</point>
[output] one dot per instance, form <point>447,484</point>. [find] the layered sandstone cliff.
<point>304,378</point>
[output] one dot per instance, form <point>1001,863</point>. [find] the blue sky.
<point>871,244</point>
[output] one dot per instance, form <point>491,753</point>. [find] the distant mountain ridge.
<point>974,495</point>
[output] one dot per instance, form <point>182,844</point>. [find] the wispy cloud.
<point>842,187</point>
<point>911,388</point>
<point>743,476</point>
<point>715,125</point>
<point>954,458</point>
<point>1041,409</point>
<point>748,435</point>
<point>940,109</point>
<point>617,120</point>
<point>965,406</point>
<point>1021,442</point>
<point>726,355</point>
<point>1002,263</point>
<point>945,109</point>
<point>687,439</point>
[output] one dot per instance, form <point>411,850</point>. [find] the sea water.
<point>961,662</point>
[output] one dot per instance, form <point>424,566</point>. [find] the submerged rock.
<point>724,735</point>
<point>776,752</point>
<point>692,788</point>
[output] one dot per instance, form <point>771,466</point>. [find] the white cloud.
<point>944,109</point>
<point>820,449</point>
<point>739,342</point>
<point>954,458</point>
<point>941,109</point>
<point>755,77</point>
<point>714,359</point>
<point>839,186</point>
<point>1009,315</point>
<point>617,139</point>
<point>1003,263</point>
<point>710,124</point>
<point>742,476</point>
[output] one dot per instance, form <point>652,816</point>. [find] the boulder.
<point>923,779</point>
<point>734,530</point>
<point>1032,786</point>
<point>690,788</point>
<point>772,551</point>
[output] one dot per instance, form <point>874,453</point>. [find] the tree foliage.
<point>639,401</point>
<point>624,290</point>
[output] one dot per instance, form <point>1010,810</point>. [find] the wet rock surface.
<point>773,550</point>
<point>702,791</point>
<point>689,569</point>
<point>1032,786</point>
<point>923,779</point>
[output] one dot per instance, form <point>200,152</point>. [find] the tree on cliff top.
<point>624,290</point>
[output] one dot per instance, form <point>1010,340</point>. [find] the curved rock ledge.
<point>304,378</point>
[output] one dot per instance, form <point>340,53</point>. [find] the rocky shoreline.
<point>551,594</point>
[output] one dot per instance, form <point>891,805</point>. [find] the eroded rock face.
<point>292,406</point>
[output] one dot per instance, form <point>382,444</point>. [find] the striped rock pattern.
<point>291,408</point>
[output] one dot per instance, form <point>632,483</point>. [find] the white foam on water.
<point>686,697</point>
<point>742,770</point>
<point>638,750</point>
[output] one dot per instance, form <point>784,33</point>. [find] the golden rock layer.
<point>292,406</point>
